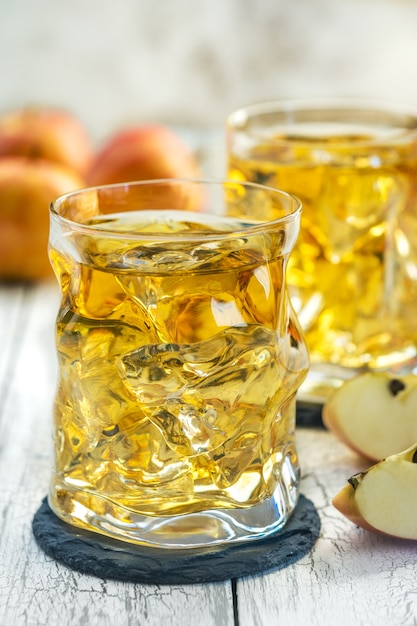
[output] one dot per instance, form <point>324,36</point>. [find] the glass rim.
<point>253,228</point>
<point>285,106</point>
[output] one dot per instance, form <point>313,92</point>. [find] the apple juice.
<point>178,367</point>
<point>352,274</point>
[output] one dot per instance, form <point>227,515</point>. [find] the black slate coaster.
<point>91,553</point>
<point>309,415</point>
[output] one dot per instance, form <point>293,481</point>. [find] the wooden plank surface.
<point>351,577</point>
<point>34,590</point>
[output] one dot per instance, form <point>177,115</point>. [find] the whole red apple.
<point>27,187</point>
<point>46,133</point>
<point>143,153</point>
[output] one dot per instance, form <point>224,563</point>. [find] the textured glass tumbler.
<point>179,360</point>
<point>353,273</point>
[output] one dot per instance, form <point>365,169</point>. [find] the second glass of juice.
<point>353,273</point>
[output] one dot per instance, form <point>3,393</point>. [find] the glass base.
<point>195,530</point>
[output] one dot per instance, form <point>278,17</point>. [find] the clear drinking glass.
<point>179,361</point>
<point>353,273</point>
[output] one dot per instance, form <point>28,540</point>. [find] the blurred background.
<point>190,62</point>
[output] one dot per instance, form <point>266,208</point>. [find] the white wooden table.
<point>350,578</point>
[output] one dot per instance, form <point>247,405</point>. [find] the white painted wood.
<point>10,306</point>
<point>351,577</point>
<point>34,590</point>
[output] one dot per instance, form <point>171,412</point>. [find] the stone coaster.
<point>91,553</point>
<point>309,415</point>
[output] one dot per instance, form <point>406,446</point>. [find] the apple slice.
<point>383,499</point>
<point>375,414</point>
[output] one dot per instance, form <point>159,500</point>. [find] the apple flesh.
<point>27,187</point>
<point>383,499</point>
<point>46,133</point>
<point>142,153</point>
<point>375,414</point>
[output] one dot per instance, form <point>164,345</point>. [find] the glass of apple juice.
<point>353,273</point>
<point>180,356</point>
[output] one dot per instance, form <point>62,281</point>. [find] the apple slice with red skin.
<point>375,414</point>
<point>383,499</point>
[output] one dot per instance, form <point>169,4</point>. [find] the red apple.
<point>27,187</point>
<point>142,153</point>
<point>46,133</point>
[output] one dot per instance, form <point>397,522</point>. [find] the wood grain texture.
<point>351,577</point>
<point>34,590</point>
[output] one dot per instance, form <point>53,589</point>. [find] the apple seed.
<point>395,386</point>
<point>356,479</point>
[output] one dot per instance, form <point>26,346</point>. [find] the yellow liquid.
<point>178,370</point>
<point>352,275</point>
